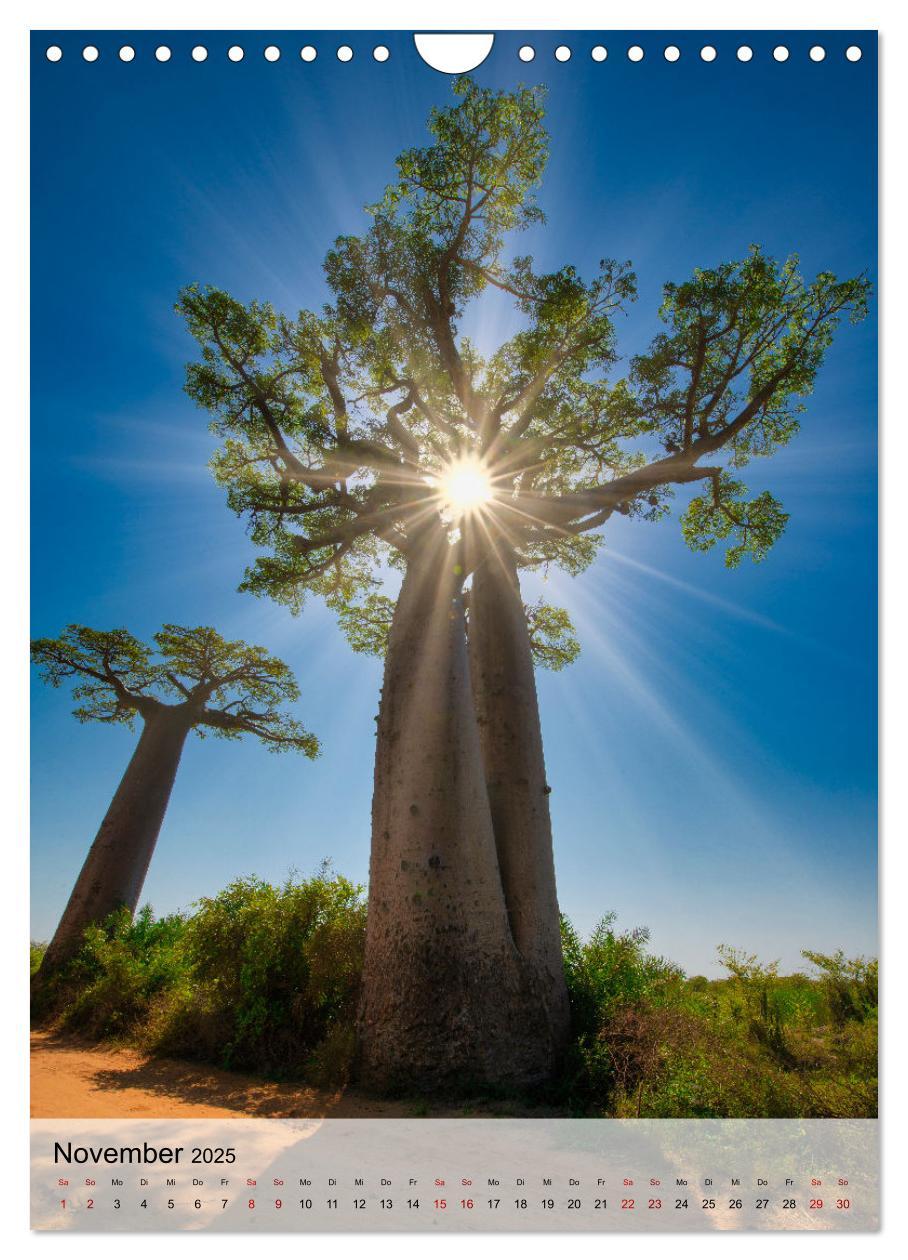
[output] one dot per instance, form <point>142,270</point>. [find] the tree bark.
<point>117,863</point>
<point>507,709</point>
<point>446,1001</point>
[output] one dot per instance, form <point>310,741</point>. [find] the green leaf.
<point>724,513</point>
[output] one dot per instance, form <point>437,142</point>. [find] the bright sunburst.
<point>464,486</point>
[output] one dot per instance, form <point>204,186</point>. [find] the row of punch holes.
<point>526,53</point>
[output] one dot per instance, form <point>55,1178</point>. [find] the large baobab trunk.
<point>114,871</point>
<point>504,689</point>
<point>446,998</point>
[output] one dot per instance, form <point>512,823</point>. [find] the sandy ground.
<point>74,1080</point>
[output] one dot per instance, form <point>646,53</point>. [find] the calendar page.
<point>454,611</point>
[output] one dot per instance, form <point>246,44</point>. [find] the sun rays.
<point>465,486</point>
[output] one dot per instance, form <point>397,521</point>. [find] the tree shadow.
<point>200,1085</point>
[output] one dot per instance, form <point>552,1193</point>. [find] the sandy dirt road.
<point>74,1080</point>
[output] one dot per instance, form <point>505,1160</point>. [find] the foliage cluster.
<point>217,686</point>
<point>265,978</point>
<point>649,1041</point>
<point>260,977</point>
<point>333,425</point>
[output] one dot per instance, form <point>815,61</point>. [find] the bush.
<point>261,977</point>
<point>607,975</point>
<point>36,952</point>
<point>123,966</point>
<point>646,1041</point>
<point>275,971</point>
<point>611,970</point>
<point>266,978</point>
<point>851,985</point>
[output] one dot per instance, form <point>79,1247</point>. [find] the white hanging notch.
<point>454,54</point>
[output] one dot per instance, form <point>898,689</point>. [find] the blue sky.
<point>713,752</point>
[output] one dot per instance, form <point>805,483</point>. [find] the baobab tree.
<point>371,442</point>
<point>193,679</point>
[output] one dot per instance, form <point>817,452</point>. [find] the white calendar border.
<point>487,15</point>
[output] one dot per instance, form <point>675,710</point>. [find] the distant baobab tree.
<point>193,679</point>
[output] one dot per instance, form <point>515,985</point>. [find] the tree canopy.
<point>339,428</point>
<point>226,688</point>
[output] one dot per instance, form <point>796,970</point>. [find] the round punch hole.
<point>381,53</point>
<point>127,53</point>
<point>635,53</point>
<point>780,52</point>
<point>272,53</point>
<point>853,53</point>
<point>308,53</point>
<point>562,53</point>
<point>818,53</point>
<point>200,53</point>
<point>745,53</point>
<point>235,53</point>
<point>708,53</point>
<point>54,53</point>
<point>526,53</point>
<point>345,53</point>
<point>162,53</point>
<point>90,53</point>
<point>672,53</point>
<point>599,53</point>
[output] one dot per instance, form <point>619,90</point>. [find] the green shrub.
<point>274,971</point>
<point>262,977</point>
<point>851,985</point>
<point>611,970</point>
<point>607,975</point>
<point>36,952</point>
<point>265,977</point>
<point>648,1042</point>
<point>123,966</point>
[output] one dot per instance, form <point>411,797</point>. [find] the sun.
<point>465,486</point>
